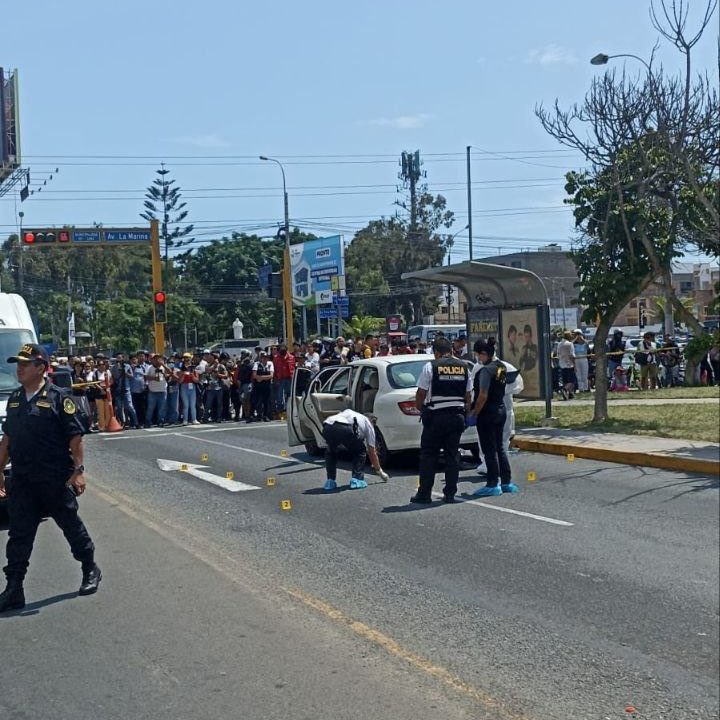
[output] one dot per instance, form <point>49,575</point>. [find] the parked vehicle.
<point>16,329</point>
<point>381,386</point>
<point>427,333</point>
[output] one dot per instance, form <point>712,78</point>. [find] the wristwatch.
<point>79,469</point>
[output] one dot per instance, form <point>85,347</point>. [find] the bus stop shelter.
<point>511,305</point>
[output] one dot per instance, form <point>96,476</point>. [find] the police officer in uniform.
<point>489,405</point>
<point>443,391</point>
<point>42,436</point>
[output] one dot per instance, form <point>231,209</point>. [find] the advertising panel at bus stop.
<point>313,265</point>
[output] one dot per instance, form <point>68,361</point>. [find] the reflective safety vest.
<point>498,381</point>
<point>449,380</point>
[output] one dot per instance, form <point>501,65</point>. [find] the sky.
<point>335,91</point>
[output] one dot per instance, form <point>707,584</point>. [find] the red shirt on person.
<point>284,365</point>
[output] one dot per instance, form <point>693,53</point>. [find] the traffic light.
<point>276,286</point>
<point>641,314</point>
<point>160,309</point>
<point>41,237</point>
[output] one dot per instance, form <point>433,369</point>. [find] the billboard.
<point>519,347</point>
<point>313,265</point>
<point>9,124</point>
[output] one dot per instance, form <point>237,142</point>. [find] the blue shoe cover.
<point>510,488</point>
<point>356,484</point>
<point>330,485</point>
<point>488,492</point>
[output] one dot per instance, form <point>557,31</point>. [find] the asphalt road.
<point>594,589</point>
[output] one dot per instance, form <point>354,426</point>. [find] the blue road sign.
<point>86,236</point>
<point>127,236</point>
<point>264,273</point>
<point>331,312</point>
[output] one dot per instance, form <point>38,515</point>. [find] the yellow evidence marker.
<point>229,475</point>
<point>270,482</point>
<point>285,505</point>
<point>283,453</point>
<point>531,477</point>
<point>183,468</point>
<point>204,457</point>
<point>570,457</point>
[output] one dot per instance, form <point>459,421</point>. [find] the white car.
<point>381,386</point>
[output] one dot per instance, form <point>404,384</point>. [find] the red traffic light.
<point>159,296</point>
<point>29,238</point>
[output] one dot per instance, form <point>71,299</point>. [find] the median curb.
<point>659,460</point>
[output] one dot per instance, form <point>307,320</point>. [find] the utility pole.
<point>469,198</point>
<point>21,274</point>
<point>410,174</point>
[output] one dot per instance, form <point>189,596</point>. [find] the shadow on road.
<point>33,608</point>
<point>698,485</point>
<point>411,507</point>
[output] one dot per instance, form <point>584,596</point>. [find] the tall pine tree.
<point>164,203</point>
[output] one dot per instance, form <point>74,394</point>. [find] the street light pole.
<point>287,284</point>
<point>602,59</point>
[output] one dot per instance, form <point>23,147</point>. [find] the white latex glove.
<point>385,477</point>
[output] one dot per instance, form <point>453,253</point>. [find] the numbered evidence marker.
<point>270,482</point>
<point>570,457</point>
<point>283,453</point>
<point>229,475</point>
<point>204,457</point>
<point>285,505</point>
<point>531,477</point>
<point>183,468</point>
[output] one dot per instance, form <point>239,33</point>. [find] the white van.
<point>427,333</point>
<point>16,329</point>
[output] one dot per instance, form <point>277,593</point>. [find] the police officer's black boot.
<point>13,597</point>
<point>91,579</point>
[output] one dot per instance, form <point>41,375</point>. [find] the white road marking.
<point>500,508</point>
<point>161,432</point>
<point>248,450</point>
<point>196,471</point>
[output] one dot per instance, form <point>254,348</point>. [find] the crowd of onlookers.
<point>190,388</point>
<point>645,363</point>
<point>152,390</point>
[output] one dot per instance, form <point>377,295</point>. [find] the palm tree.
<point>361,326</point>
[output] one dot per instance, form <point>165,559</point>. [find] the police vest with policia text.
<point>449,381</point>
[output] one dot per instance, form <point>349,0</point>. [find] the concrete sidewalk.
<point>666,453</point>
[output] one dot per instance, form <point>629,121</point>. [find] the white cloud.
<point>551,55</point>
<point>207,141</point>
<point>402,122</point>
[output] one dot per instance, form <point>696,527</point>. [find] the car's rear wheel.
<point>313,449</point>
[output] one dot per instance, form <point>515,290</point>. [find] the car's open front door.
<point>298,434</point>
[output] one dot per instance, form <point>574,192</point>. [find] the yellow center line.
<point>393,648</point>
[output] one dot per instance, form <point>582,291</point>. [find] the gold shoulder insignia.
<point>69,406</point>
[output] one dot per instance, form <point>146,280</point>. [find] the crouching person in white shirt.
<point>354,432</point>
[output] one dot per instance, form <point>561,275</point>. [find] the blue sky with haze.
<point>335,90</point>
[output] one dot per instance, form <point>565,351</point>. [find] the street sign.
<point>127,236</point>
<point>324,297</point>
<point>341,303</point>
<point>86,236</point>
<point>264,274</point>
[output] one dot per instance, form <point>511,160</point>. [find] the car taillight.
<point>407,407</point>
